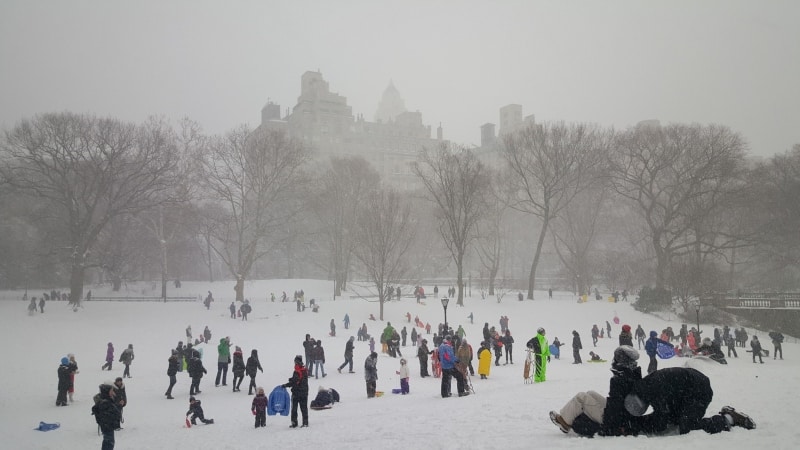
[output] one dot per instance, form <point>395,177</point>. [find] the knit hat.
<point>626,356</point>
<point>65,360</point>
<point>653,333</point>
<point>626,327</point>
<point>540,331</point>
<point>635,405</point>
<point>298,359</point>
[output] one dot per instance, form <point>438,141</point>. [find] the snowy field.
<point>503,414</point>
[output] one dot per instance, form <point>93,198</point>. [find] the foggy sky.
<point>735,63</point>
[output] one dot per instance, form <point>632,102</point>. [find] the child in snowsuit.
<point>196,412</point>
<point>404,375</point>
<point>259,407</point>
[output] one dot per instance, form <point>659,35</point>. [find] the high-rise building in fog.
<point>324,121</point>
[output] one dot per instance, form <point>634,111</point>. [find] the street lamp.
<point>697,310</point>
<point>445,301</point>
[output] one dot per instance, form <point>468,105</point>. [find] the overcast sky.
<point>735,63</point>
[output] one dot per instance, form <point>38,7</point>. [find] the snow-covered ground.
<point>504,413</point>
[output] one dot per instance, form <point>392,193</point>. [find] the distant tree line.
<point>678,207</point>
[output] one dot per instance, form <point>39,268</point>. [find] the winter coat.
<point>423,352</point>
<point>651,345</point>
<point>110,353</point>
<point>508,341</point>
<point>447,357</point>
<point>299,381</point>
<point>64,379</point>
<point>348,349</point>
<point>625,338</point>
<point>253,364</point>
<point>260,403</point>
<point>224,351</point>
<point>195,408</point>
<point>576,342</point>
<point>324,398</point>
<point>371,369</point>
<point>672,392</point>
<point>318,354</point>
<point>484,361</point>
<point>172,367</point>
<point>238,364</point>
<point>404,373</point>
<point>755,344</point>
<point>195,367</point>
<point>616,419</point>
<point>126,357</point>
<point>106,413</point>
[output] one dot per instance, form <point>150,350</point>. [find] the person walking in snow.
<point>651,348</point>
<point>253,364</point>
<point>508,343</point>
<point>196,372</point>
<point>348,355</point>
<point>126,358</point>
<point>595,334</point>
<point>238,368</point>
<point>232,309</point>
<point>755,345</point>
<point>414,336</point>
<point>640,336</point>
<point>109,357</point>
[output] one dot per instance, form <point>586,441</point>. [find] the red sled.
<point>188,423</point>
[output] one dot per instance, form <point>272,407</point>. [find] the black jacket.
<point>576,342</point>
<point>299,381</point>
<point>253,364</point>
<point>195,368</point>
<point>172,368</point>
<point>672,392</point>
<point>106,414</point>
<point>64,381</point>
<point>348,349</point>
<point>238,364</point>
<point>625,338</point>
<point>616,419</point>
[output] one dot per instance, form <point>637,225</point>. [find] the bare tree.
<point>675,177</point>
<point>91,170</point>
<point>341,190</point>
<point>253,175</point>
<point>551,164</point>
<point>493,228</point>
<point>457,183</point>
<point>384,232</point>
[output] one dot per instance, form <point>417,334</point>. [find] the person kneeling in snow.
<point>325,398</point>
<point>196,411</point>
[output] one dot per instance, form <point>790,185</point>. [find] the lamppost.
<point>445,301</point>
<point>697,310</point>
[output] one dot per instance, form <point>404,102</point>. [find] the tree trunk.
<point>239,288</point>
<point>460,280</point>
<point>76,281</point>
<point>492,277</point>
<point>536,255</point>
<point>164,271</point>
<point>210,266</point>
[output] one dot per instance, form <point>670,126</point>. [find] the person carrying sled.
<point>541,352</point>
<point>299,385</point>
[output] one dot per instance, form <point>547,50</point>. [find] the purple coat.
<point>110,353</point>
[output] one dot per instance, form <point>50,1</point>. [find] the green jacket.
<point>224,351</point>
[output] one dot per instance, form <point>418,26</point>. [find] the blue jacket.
<point>651,346</point>
<point>279,401</point>
<point>447,357</point>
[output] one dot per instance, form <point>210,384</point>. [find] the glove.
<point>254,412</point>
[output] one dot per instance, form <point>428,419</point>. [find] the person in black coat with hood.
<point>253,364</point>
<point>299,384</point>
<point>617,421</point>
<point>106,414</point>
<point>196,372</point>
<point>576,347</point>
<point>64,381</point>
<point>238,368</point>
<point>172,370</point>
<point>679,396</point>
